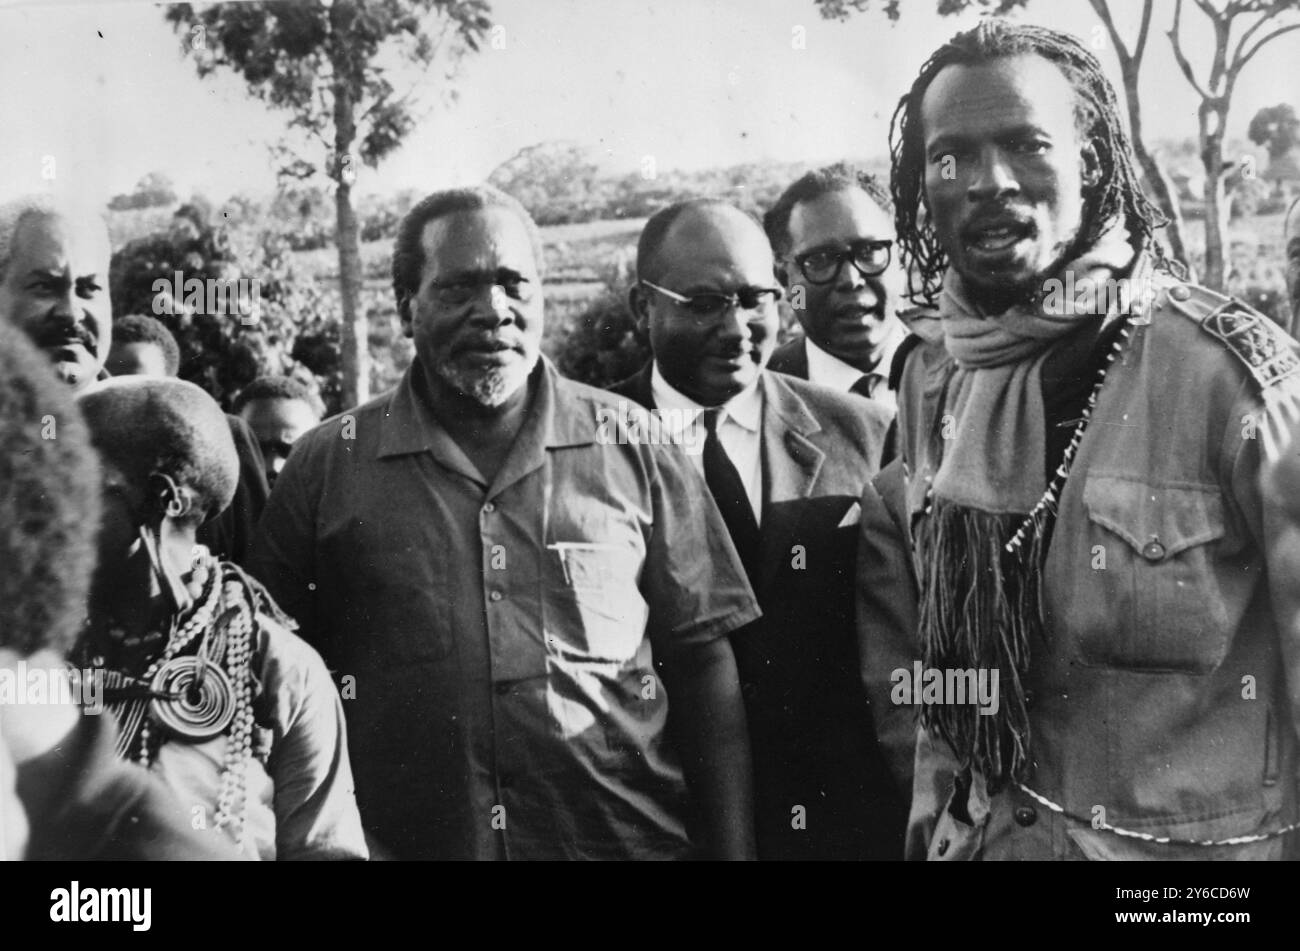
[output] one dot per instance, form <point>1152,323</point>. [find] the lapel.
<point>791,463</point>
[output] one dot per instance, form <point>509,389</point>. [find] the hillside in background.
<point>590,223</point>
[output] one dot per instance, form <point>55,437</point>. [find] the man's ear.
<point>639,304</point>
<point>169,499</point>
<point>1091,166</point>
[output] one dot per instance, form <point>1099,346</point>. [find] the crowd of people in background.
<point>465,620</point>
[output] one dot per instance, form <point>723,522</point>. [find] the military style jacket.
<point>1164,699</point>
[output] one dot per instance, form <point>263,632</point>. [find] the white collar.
<point>745,409</point>
<point>829,370</point>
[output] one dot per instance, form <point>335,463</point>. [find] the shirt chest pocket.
<point>1152,565</point>
<point>594,607</point>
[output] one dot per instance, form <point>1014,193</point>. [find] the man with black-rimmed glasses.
<point>832,232</point>
<point>788,463</point>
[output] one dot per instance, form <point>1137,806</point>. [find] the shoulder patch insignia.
<point>1266,349</point>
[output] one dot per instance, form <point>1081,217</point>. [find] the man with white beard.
<point>487,572</point>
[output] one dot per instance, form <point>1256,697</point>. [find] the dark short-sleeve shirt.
<point>500,639</point>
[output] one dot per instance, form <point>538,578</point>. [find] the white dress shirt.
<point>828,370</point>
<point>740,430</point>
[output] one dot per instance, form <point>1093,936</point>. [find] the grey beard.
<point>489,388</point>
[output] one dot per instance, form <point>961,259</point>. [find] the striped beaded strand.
<point>232,800</point>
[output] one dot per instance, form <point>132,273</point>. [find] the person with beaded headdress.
<point>212,689</point>
<point>1082,434</point>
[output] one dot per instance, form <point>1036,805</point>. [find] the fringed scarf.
<point>984,465</point>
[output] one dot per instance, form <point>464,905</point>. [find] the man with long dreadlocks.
<point>212,690</point>
<point>1082,435</point>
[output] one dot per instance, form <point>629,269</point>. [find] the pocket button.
<point>1153,550</point>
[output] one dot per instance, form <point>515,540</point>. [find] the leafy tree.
<point>1216,98</point>
<point>1277,128</point>
<point>599,345</point>
<point>219,351</point>
<point>328,64</point>
<point>153,191</point>
<point>555,181</point>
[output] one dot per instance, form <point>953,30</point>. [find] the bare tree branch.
<point>1209,10</point>
<point>1140,47</point>
<point>1103,13</point>
<point>1272,36</point>
<point>1250,31</point>
<point>1180,56</point>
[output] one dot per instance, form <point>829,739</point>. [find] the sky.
<point>103,88</point>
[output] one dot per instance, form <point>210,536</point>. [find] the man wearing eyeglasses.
<point>832,233</point>
<point>496,585</point>
<point>788,463</point>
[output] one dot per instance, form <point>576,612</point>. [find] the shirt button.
<point>1180,292</point>
<point>1029,698</point>
<point>488,508</point>
<point>495,596</point>
<point>1026,816</point>
<point>1153,550</point>
<point>943,848</point>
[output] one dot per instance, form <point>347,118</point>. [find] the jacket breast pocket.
<point>1153,565</point>
<point>595,609</point>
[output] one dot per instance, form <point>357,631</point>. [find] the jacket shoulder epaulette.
<point>1269,353</point>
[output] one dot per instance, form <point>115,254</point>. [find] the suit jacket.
<point>822,788</point>
<point>791,358</point>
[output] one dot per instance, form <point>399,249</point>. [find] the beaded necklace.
<point>197,696</point>
<point>1045,509</point>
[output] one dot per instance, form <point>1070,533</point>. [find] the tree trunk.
<point>1216,205</point>
<point>355,345</point>
<point>1130,65</point>
<point>354,330</point>
<point>1157,182</point>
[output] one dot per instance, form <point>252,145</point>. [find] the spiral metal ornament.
<point>190,712</point>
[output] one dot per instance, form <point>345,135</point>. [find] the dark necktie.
<point>729,492</point>
<point>866,384</point>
